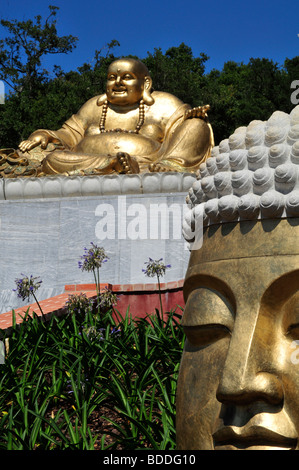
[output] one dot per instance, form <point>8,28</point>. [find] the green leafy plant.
<point>94,383</point>
<point>87,381</point>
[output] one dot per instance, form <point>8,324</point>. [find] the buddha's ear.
<point>101,99</point>
<point>147,97</point>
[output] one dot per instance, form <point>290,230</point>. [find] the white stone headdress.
<point>254,174</point>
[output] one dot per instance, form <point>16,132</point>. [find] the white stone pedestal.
<point>45,223</point>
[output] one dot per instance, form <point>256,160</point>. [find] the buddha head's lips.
<point>253,436</point>
<point>119,90</point>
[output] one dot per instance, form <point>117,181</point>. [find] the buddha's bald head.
<point>134,64</point>
<point>128,82</point>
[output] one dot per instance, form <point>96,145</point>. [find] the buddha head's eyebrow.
<point>281,289</point>
<point>209,282</point>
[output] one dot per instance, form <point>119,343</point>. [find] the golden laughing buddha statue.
<point>128,130</point>
<point>238,385</point>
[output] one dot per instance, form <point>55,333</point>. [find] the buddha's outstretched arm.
<point>40,137</point>
<point>68,136</point>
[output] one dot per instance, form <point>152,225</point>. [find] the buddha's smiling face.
<point>239,379</point>
<point>125,82</point>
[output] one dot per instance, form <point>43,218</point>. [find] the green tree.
<point>242,92</point>
<point>28,42</point>
<point>178,72</point>
<point>291,68</point>
<point>220,90</point>
<point>36,100</point>
<point>21,55</point>
<point>237,94</point>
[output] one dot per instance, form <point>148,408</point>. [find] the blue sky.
<point>224,30</point>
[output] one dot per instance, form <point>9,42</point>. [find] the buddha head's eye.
<point>128,76</point>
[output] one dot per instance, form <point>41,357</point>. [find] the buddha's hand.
<point>35,140</point>
<point>198,112</point>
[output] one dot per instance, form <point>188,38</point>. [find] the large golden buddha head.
<point>238,385</point>
<point>128,81</point>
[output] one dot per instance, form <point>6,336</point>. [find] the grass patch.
<point>92,383</point>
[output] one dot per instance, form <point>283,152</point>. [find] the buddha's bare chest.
<point>151,128</point>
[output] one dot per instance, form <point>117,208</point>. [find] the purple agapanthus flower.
<point>107,299</point>
<point>27,286</point>
<point>155,268</point>
<point>100,334</point>
<point>92,258</point>
<point>78,304</point>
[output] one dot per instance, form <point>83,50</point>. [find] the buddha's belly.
<point>113,142</point>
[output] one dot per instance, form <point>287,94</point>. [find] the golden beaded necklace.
<point>137,128</point>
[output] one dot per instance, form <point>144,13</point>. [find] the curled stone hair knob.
<point>285,177</point>
<point>228,207</point>
<point>200,215</point>
<point>215,152</point>
<point>224,146</point>
<point>222,162</point>
<point>211,209</point>
<point>249,206</point>
<point>272,204</point>
<point>292,204</point>
<point>278,154</point>
<point>275,135</point>
<point>293,135</point>
<point>241,182</point>
<point>223,184</point>
<point>294,116</point>
<point>237,140</point>
<point>279,119</point>
<point>238,159</point>
<point>208,187</point>
<point>189,224</point>
<point>191,198</point>
<point>188,201</point>
<point>203,170</point>
<point>295,153</point>
<point>263,180</point>
<point>254,135</point>
<point>211,166</point>
<point>257,157</point>
<point>198,191</point>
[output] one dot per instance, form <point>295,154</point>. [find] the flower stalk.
<point>26,287</point>
<point>92,260</point>
<point>156,268</point>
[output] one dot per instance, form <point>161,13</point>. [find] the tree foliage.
<point>242,92</point>
<point>237,94</point>
<point>28,42</point>
<point>177,72</point>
